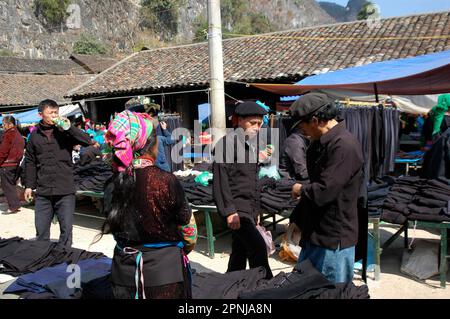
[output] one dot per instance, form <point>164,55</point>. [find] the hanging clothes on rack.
<point>376,128</point>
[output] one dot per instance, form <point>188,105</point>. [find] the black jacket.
<point>48,161</point>
<point>235,186</point>
<point>90,154</point>
<point>436,162</point>
<point>293,159</point>
<point>327,212</point>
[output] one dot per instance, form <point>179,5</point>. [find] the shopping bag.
<point>267,236</point>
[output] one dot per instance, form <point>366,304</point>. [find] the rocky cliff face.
<point>283,14</point>
<point>341,13</point>
<point>113,22</point>
<point>292,14</point>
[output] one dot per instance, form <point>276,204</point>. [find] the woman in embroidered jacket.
<point>145,210</point>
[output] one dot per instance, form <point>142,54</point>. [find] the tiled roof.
<point>23,89</point>
<point>93,64</point>
<point>276,56</point>
<point>14,65</point>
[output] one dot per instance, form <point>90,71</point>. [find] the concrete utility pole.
<point>216,69</point>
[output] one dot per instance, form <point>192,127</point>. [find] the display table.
<point>210,237</point>
<point>442,226</point>
<point>207,211</point>
<point>413,160</point>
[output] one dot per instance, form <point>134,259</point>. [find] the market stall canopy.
<point>420,75</point>
<point>28,117</point>
<point>70,110</point>
<point>32,116</point>
<point>412,104</point>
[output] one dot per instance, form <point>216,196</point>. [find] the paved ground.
<point>393,284</point>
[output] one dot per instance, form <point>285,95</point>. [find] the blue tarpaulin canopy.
<point>27,117</point>
<point>32,116</point>
<point>420,75</point>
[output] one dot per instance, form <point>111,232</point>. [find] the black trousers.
<point>8,183</point>
<point>248,244</point>
<point>46,207</point>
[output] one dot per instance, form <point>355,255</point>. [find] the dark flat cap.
<point>249,108</point>
<point>307,105</point>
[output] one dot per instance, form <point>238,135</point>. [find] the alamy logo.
<point>264,145</point>
<point>373,15</point>
<point>74,20</point>
<point>74,279</point>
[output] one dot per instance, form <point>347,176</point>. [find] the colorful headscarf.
<point>127,134</point>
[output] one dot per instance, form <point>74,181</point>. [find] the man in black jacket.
<point>327,213</point>
<point>235,188</point>
<point>293,159</point>
<point>49,170</point>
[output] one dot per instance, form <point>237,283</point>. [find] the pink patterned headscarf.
<point>127,134</point>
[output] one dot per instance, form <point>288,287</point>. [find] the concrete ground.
<point>393,283</point>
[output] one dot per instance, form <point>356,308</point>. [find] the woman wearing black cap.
<point>235,188</point>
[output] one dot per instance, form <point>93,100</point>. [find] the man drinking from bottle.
<point>49,171</point>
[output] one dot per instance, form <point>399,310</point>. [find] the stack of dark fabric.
<point>432,201</point>
<point>196,193</point>
<point>92,177</point>
<point>51,282</point>
<point>276,196</point>
<point>308,283</point>
<point>378,190</point>
<point>414,198</point>
<point>19,256</point>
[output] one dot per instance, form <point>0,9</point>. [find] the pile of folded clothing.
<point>307,283</point>
<point>92,177</point>
<point>196,193</point>
<point>413,198</point>
<point>51,282</point>
<point>19,256</point>
<point>276,195</point>
<point>378,190</point>
<point>432,201</point>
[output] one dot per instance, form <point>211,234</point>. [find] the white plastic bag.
<point>267,236</point>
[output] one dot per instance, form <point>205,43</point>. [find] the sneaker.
<point>10,212</point>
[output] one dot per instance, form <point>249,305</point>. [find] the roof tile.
<point>271,57</point>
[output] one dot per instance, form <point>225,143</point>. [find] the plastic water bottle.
<point>62,122</point>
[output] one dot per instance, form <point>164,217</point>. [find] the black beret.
<point>249,108</point>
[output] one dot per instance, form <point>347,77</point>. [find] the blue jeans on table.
<point>336,265</point>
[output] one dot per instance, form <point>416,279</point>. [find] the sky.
<point>393,8</point>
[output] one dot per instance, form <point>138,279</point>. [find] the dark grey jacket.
<point>327,213</point>
<point>48,161</point>
<point>235,186</point>
<point>293,159</point>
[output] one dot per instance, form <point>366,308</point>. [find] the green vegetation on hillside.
<point>87,44</point>
<point>236,19</point>
<point>52,13</point>
<point>369,10</point>
<point>161,16</point>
